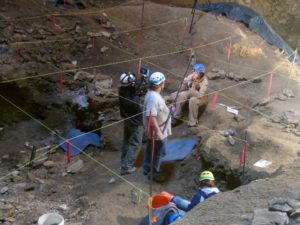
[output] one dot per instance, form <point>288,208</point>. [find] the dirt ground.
<point>32,109</point>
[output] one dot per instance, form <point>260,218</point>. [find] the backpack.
<point>159,215</point>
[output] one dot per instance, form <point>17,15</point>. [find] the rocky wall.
<point>283,16</point>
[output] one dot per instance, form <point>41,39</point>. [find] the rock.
<point>63,207</point>
<point>296,213</point>
<point>3,190</point>
<point>231,140</point>
<point>101,34</point>
<point>6,211</point>
<point>280,204</point>
<point>230,76</point>
<point>75,213</point>
<point>15,173</point>
<point>265,217</point>
<point>238,78</point>
<point>75,167</point>
<point>215,70</point>
<point>78,29</point>
<point>289,117</point>
<point>49,164</point>
<point>256,80</point>
<point>265,101</point>
<point>67,66</point>
<point>280,97</point>
<point>10,219</point>
<point>104,49</point>
<point>112,180</point>
<point>24,186</point>
<point>213,76</point>
<point>222,73</point>
<point>32,178</point>
<point>6,156</point>
<point>228,132</point>
<point>288,93</point>
<point>238,118</point>
<point>102,85</point>
<point>275,119</point>
<point>83,76</point>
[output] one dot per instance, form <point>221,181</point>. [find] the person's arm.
<point>155,126</point>
<point>199,89</point>
<point>203,87</point>
<point>197,198</point>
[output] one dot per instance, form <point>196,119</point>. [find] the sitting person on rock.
<point>193,91</point>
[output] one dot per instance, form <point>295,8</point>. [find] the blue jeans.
<point>181,203</point>
<point>159,152</point>
<point>131,143</point>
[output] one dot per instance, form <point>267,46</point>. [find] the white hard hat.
<point>127,78</point>
<point>157,78</point>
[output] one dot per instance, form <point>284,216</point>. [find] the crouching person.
<point>174,207</point>
<point>163,211</point>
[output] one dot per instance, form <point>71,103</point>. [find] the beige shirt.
<point>155,104</point>
<point>197,86</point>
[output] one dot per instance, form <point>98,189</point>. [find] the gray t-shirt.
<point>156,104</point>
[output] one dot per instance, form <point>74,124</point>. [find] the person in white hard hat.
<point>156,113</point>
<point>131,111</point>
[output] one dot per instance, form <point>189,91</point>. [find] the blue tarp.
<point>178,150</point>
<point>81,142</point>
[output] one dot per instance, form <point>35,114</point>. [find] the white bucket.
<point>51,219</point>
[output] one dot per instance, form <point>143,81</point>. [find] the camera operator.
<point>131,110</point>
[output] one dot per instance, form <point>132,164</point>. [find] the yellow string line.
<point>62,14</point>
<point>112,63</point>
<point>62,138</point>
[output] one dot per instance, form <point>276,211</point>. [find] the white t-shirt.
<point>156,104</point>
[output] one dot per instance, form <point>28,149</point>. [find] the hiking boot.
<point>157,178</point>
<point>146,172</point>
<point>127,171</point>
<point>192,124</point>
<point>175,122</point>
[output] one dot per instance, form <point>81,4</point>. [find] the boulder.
<point>280,204</point>
<point>213,76</point>
<point>288,93</point>
<point>6,211</point>
<point>265,217</point>
<point>75,167</point>
<point>83,76</point>
<point>49,164</point>
<point>289,117</point>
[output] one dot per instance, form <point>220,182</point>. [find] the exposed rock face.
<point>283,16</point>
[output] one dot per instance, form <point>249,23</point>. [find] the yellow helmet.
<point>206,175</point>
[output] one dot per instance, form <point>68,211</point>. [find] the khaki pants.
<point>195,103</point>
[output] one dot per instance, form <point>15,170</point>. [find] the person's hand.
<point>172,108</point>
<point>160,136</point>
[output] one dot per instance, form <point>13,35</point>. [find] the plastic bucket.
<point>157,201</point>
<point>51,219</point>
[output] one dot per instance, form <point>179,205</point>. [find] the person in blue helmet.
<point>193,92</point>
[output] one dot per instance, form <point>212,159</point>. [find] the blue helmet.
<point>199,68</point>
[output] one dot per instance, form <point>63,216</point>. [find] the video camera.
<point>142,85</point>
